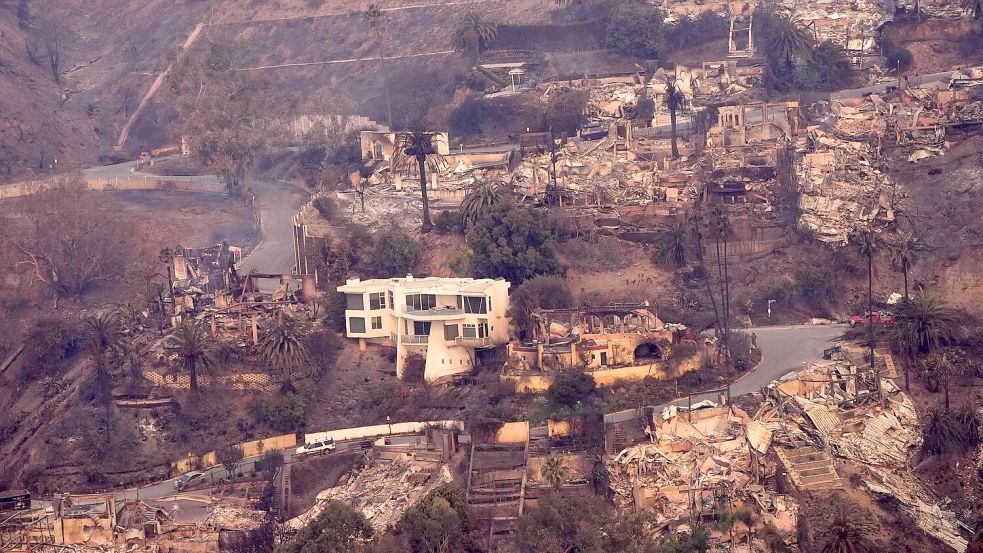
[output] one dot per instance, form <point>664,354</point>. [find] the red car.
<point>877,317</point>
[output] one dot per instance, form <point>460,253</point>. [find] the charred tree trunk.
<point>421,160</point>
<point>672,132</point>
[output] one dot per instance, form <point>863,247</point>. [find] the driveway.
<point>785,349</point>
<point>277,203</point>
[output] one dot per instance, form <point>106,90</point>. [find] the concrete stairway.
<point>810,468</point>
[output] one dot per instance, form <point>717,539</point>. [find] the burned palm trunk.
<point>422,162</point>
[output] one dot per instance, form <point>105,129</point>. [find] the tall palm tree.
<point>104,340</point>
<point>283,348</point>
<point>473,33</point>
<point>482,198</point>
<point>904,257</point>
<point>848,531</point>
<point>866,244</point>
<point>419,143</point>
<point>670,247</point>
<point>790,39</point>
<point>553,471</point>
<point>721,230</point>
<point>675,101</point>
<point>193,346</point>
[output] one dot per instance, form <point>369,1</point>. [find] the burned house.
<point>612,343</point>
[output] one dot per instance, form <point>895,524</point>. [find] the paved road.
<point>277,204</point>
<point>785,348</point>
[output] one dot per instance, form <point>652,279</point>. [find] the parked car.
<point>318,447</point>
<point>877,317</point>
<point>189,479</point>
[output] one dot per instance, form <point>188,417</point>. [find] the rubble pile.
<point>841,186</point>
<point>851,25</point>
<point>832,408</point>
<point>696,462</point>
<point>382,491</point>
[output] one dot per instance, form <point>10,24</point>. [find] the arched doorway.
<point>647,352</point>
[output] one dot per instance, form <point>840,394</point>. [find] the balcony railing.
<point>410,339</point>
<point>436,311</point>
<point>471,342</point>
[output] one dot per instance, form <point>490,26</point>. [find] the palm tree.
<point>675,100</point>
<point>193,346</point>
<point>282,348</point>
<point>553,471</point>
<point>904,257</point>
<point>975,6</point>
<point>865,241</point>
<point>481,199</point>
<point>923,323</point>
<point>721,230</point>
<point>790,39</point>
<point>848,531</point>
<point>473,33</point>
<point>670,247</point>
<point>419,143</point>
<point>104,340</point>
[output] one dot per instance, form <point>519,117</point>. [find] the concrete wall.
<point>382,430</point>
<point>512,433</point>
<point>250,449</point>
<point>540,382</point>
<point>148,182</point>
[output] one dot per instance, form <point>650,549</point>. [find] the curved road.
<point>784,349</point>
<point>277,203</point>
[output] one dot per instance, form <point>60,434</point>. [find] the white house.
<point>443,319</point>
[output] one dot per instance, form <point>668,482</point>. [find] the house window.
<point>421,302</point>
<point>482,330</point>
<point>470,331</point>
<point>421,328</point>
<point>356,325</point>
<point>355,302</point>
<point>391,302</point>
<point>377,300</point>
<point>376,323</point>
<point>450,332</point>
<point>377,147</point>
<point>474,304</point>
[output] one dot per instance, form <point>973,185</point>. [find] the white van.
<point>324,446</point>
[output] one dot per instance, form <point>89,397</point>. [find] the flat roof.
<point>425,284</point>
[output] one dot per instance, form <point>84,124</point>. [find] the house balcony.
<point>435,314</point>
<point>410,339</point>
<point>471,342</point>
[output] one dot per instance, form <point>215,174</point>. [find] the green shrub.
<point>637,30</point>
<point>460,262</point>
<point>449,222</point>
<point>572,388</point>
<point>396,254</point>
<point>694,31</point>
<point>826,69</point>
<point>513,243</point>
<point>326,207</point>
